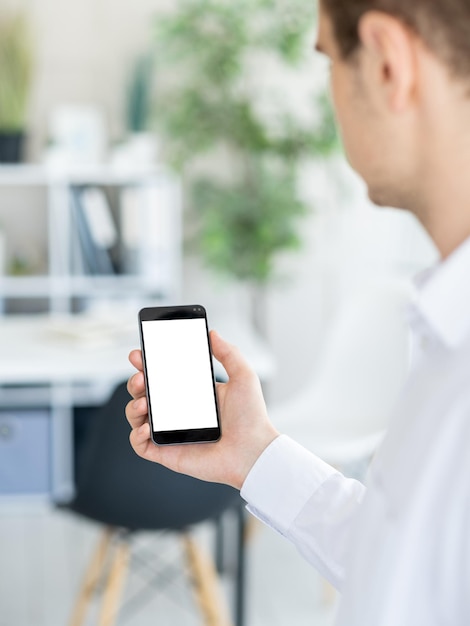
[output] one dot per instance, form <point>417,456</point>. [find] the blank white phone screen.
<point>179,374</point>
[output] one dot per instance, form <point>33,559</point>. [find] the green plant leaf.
<point>15,72</point>
<point>203,48</point>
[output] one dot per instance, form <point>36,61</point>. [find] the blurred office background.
<point>180,152</point>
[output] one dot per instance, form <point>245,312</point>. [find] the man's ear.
<point>389,47</point>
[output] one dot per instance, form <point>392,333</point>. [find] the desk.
<point>64,361</point>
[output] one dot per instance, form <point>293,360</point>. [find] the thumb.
<point>229,356</point>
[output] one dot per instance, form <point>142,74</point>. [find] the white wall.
<point>83,53</point>
<point>351,248</point>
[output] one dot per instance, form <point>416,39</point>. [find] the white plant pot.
<point>2,264</point>
<point>139,150</point>
<point>2,254</point>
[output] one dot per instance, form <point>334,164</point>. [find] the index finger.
<point>135,357</point>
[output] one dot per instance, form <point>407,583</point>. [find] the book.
<point>147,231</point>
<point>96,230</point>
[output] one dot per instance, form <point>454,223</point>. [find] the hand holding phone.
<point>179,378</point>
<point>246,427</point>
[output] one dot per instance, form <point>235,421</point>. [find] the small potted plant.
<point>139,147</point>
<point>15,83</point>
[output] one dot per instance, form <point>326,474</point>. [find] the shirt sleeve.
<point>307,501</point>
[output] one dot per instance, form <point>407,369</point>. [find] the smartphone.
<point>179,375</point>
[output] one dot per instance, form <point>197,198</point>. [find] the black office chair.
<point>127,494</point>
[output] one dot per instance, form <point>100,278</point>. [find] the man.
<point>398,550</point>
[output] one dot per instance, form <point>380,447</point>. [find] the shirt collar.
<point>443,297</point>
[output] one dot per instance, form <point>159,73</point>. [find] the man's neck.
<point>450,226</point>
<point>444,195</point>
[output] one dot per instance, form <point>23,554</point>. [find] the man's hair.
<point>444,25</point>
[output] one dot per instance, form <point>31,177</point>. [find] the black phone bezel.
<point>175,437</point>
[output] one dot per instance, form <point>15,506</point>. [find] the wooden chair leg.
<point>252,528</point>
<point>208,591</point>
<point>91,578</point>
<point>113,590</point>
<point>328,593</point>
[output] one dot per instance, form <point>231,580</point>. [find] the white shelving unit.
<point>62,281</point>
<point>66,355</point>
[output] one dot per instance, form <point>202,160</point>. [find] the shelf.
<point>70,286</point>
<point>36,175</point>
<point>25,286</point>
<point>71,249</point>
<point>22,175</point>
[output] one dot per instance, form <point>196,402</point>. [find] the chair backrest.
<point>116,487</point>
<point>342,412</point>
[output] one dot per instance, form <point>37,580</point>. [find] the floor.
<point>43,554</point>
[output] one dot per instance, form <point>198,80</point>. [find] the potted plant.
<point>141,141</point>
<point>208,105</point>
<point>15,81</point>
<point>139,145</point>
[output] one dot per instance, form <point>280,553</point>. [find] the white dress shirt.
<point>398,549</point>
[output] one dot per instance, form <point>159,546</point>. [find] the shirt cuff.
<point>282,481</point>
